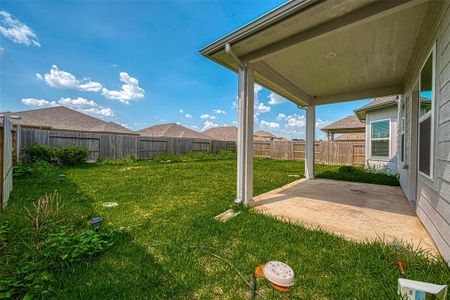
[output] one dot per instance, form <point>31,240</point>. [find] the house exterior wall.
<point>430,197</point>
<point>389,163</point>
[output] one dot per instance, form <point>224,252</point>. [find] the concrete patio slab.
<point>356,211</point>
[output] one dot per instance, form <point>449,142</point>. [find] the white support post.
<point>245,136</point>
<point>310,141</point>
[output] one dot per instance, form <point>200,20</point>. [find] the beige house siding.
<point>432,196</point>
<point>389,163</point>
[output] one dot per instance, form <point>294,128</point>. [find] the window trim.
<point>402,128</point>
<point>431,113</point>
<point>380,139</point>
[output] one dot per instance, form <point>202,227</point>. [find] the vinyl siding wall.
<point>432,196</point>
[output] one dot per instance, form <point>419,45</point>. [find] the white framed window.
<point>380,138</point>
<point>402,130</point>
<point>426,115</point>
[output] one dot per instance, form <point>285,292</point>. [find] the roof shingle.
<point>172,130</point>
<point>64,118</point>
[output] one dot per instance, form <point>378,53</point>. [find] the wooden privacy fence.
<point>116,146</point>
<point>333,153</point>
<point>8,155</point>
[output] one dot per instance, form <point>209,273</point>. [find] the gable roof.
<point>262,133</point>
<point>172,130</point>
<point>223,133</point>
<point>348,124</point>
<point>64,118</point>
<point>377,103</point>
<point>358,136</point>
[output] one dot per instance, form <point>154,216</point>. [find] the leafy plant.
<point>62,156</point>
<point>71,155</point>
<point>36,169</point>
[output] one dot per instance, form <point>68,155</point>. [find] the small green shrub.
<point>39,152</point>
<point>71,155</point>
<point>348,170</point>
<point>62,156</point>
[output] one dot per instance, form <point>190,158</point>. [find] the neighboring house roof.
<point>224,133</point>
<point>263,133</point>
<point>64,118</point>
<point>377,103</point>
<point>348,124</point>
<point>172,130</point>
<point>359,136</point>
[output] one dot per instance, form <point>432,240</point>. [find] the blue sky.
<point>135,63</point>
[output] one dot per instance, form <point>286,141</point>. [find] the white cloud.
<point>124,125</point>
<point>98,111</point>
<point>188,116</point>
<point>219,111</point>
<point>180,111</point>
<point>261,108</point>
<point>16,31</point>
<point>194,127</point>
<point>206,116</point>
<point>130,90</point>
<point>281,117</point>
<point>39,102</point>
<point>78,104</point>
<point>209,124</point>
<point>275,99</point>
<point>295,121</point>
<point>64,80</point>
<point>271,125</point>
<point>234,105</point>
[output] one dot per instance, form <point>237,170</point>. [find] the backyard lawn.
<point>164,231</point>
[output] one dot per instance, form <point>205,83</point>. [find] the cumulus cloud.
<point>209,124</point>
<point>261,108</point>
<point>180,111</point>
<point>39,102</point>
<point>130,91</point>
<point>219,111</point>
<point>16,31</point>
<point>275,99</point>
<point>206,116</point>
<point>267,124</point>
<point>188,116</point>
<point>281,117</point>
<point>295,121</point>
<point>79,104</point>
<point>64,80</point>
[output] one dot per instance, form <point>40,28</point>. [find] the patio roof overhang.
<point>315,52</point>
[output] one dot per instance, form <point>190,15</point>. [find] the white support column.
<point>310,141</point>
<point>245,136</point>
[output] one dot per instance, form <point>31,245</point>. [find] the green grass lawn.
<point>165,208</point>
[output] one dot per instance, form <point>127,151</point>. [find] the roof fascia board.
<point>358,95</point>
<point>351,19</point>
<point>274,16</point>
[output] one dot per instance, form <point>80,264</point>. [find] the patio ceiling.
<point>319,52</point>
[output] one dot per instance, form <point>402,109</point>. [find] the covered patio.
<point>354,211</point>
<point>315,52</point>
